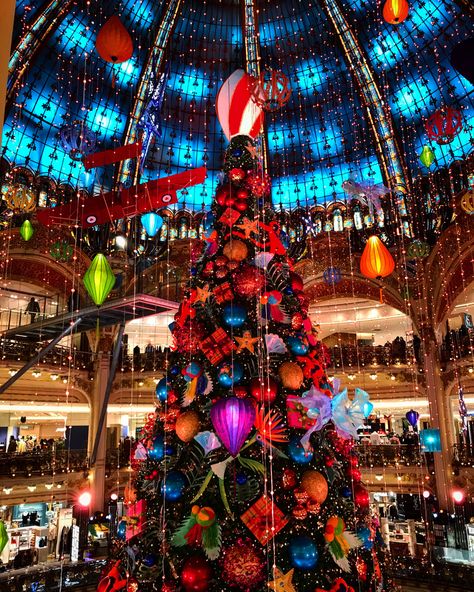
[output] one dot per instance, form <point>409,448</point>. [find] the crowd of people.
<point>31,445</point>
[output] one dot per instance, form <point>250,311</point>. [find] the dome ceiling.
<point>319,139</point>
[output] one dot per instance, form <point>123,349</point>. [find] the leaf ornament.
<point>340,541</point>
<point>201,528</point>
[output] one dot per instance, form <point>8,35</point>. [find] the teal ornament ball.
<point>297,453</point>
<point>157,450</point>
<point>234,315</point>
<point>296,346</point>
<point>303,553</point>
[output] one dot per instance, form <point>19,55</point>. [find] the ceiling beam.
<point>153,65</point>
<point>379,116</point>
<point>27,48</point>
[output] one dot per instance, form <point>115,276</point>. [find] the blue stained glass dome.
<point>319,139</point>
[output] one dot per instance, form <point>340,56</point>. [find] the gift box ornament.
<point>297,414</point>
<point>217,346</point>
<point>135,519</point>
<point>229,217</point>
<point>223,293</point>
<point>264,519</point>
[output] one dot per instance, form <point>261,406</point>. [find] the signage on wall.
<point>75,543</point>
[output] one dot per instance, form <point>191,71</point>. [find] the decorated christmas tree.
<point>246,476</point>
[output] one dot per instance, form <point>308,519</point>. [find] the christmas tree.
<point>246,477</point>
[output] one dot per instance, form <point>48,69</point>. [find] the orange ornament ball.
<point>236,250</point>
<point>187,426</point>
<point>291,375</point>
<point>315,485</point>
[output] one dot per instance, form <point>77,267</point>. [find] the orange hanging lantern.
<point>395,11</point>
<point>376,261</point>
<point>113,42</point>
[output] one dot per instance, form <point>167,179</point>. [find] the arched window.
<point>337,220</point>
<point>183,227</point>
<point>358,218</point>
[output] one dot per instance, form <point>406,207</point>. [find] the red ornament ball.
<point>237,175</point>
<point>296,282</point>
<point>242,193</point>
<point>248,280</point>
<point>288,479</point>
<point>196,574</point>
<point>265,389</point>
<point>354,473</point>
<point>240,205</point>
<point>222,194</point>
<point>241,391</point>
<point>243,566</point>
<point>297,321</point>
<point>132,585</point>
<point>361,496</point>
<point>259,184</point>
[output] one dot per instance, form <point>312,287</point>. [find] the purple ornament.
<point>233,419</point>
<point>412,417</point>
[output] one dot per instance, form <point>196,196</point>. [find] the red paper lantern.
<point>113,42</point>
<point>271,90</point>
<point>376,261</point>
<point>444,125</point>
<point>395,11</point>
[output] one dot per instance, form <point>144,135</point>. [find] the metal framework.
<point>154,64</point>
<point>379,116</point>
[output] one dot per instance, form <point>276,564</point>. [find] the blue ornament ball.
<point>122,530</point>
<point>149,560</point>
<point>174,370</point>
<point>169,450</point>
<point>346,492</point>
<point>365,536</point>
<point>161,390</point>
<point>174,486</point>
<point>234,315</point>
<point>303,552</point>
<point>192,370</point>
<point>241,478</point>
<point>288,291</point>
<point>297,453</point>
<point>157,450</point>
<point>230,374</point>
<point>296,346</point>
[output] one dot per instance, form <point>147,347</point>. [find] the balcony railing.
<point>392,455</point>
<point>42,462</point>
<point>22,351</point>
<point>381,355</point>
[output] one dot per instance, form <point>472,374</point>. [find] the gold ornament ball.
<point>291,375</point>
<point>187,426</point>
<point>315,486</point>
<point>467,202</point>
<point>235,250</point>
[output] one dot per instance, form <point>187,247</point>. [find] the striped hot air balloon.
<point>237,112</point>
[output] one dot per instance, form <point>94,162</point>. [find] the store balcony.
<point>392,455</point>
<point>356,356</point>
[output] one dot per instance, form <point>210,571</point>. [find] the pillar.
<point>101,376</point>
<point>7,14</point>
<point>440,418</point>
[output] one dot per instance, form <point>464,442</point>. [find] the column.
<point>7,13</point>
<point>101,376</point>
<point>440,418</point>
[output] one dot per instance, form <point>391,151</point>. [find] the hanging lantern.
<point>20,198</point>
<point>77,139</point>
<point>418,249</point>
<point>444,125</point>
<point>152,223</point>
<point>376,260</point>
<point>26,230</point>
<point>271,90</point>
<point>427,156</point>
<point>412,417</point>
<point>332,276</point>
<point>113,42</point>
<point>233,419</point>
<point>238,114</point>
<point>395,11</point>
<point>99,279</point>
<point>467,201</point>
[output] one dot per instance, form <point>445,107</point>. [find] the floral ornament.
<point>201,528</point>
<point>340,541</point>
<point>270,430</point>
<point>208,440</point>
<point>346,416</point>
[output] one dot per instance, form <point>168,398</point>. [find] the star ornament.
<point>248,226</point>
<point>252,150</point>
<point>246,342</point>
<point>282,582</point>
<point>202,294</point>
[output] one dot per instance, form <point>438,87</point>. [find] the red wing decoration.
<point>106,157</point>
<point>114,205</point>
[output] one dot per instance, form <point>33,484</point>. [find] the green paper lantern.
<point>99,279</point>
<point>427,156</point>
<point>26,230</point>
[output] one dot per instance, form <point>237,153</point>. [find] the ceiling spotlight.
<point>393,377</point>
<point>54,376</point>
<point>470,369</point>
<point>373,375</point>
<point>379,477</point>
<point>351,376</point>
<point>36,373</point>
<point>12,372</point>
<point>120,242</point>
<point>7,490</point>
<point>64,379</point>
<point>49,485</point>
<point>156,380</point>
<point>31,488</point>
<point>140,383</point>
